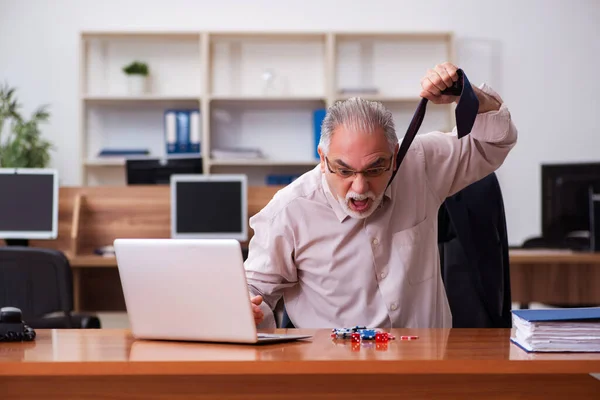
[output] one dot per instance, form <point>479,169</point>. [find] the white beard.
<point>344,203</point>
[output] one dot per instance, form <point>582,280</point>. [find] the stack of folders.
<point>557,330</point>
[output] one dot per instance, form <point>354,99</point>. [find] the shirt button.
<point>393,307</point>
<point>375,242</point>
<point>383,275</point>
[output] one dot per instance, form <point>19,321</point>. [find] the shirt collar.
<point>335,205</point>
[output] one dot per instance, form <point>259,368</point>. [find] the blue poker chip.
<point>367,334</point>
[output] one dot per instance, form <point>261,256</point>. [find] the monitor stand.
<point>17,242</point>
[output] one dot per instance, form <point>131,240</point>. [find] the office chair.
<point>473,246</point>
<point>40,282</point>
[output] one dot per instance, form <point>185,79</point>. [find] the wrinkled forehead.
<point>357,146</point>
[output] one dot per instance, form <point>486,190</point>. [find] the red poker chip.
<point>409,337</point>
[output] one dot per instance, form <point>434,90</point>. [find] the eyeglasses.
<point>346,173</point>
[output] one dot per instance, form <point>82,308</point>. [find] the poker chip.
<point>361,333</point>
<point>409,337</point>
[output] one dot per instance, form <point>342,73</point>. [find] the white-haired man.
<point>341,246</point>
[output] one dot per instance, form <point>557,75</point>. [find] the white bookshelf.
<point>253,89</point>
<point>263,162</point>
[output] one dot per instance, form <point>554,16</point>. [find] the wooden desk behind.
<point>555,277</point>
<point>90,217</point>
<point>455,364</point>
<point>549,277</point>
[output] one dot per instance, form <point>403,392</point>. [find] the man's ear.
<point>396,148</point>
<point>322,159</point>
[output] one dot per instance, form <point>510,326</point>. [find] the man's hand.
<point>258,314</point>
<point>441,77</point>
<point>438,79</point>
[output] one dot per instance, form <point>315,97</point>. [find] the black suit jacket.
<point>473,246</point>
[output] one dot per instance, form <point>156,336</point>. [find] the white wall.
<point>542,56</point>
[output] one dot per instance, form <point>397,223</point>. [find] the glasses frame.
<point>379,171</point>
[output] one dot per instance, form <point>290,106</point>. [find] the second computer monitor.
<point>209,206</point>
<point>156,171</point>
<point>28,203</point>
<point>566,198</point>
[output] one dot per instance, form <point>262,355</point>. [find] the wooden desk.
<point>455,364</point>
<point>555,277</point>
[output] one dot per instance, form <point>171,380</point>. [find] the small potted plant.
<point>137,77</point>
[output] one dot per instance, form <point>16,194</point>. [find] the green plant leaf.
<point>136,68</point>
<point>23,145</point>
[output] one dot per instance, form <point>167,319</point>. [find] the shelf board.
<point>133,99</point>
<point>387,35</point>
<point>158,34</point>
<point>382,98</point>
<point>266,98</point>
<point>116,161</point>
<point>262,162</point>
<point>266,35</point>
<point>105,162</point>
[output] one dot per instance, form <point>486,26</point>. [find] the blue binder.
<point>183,131</point>
<point>318,117</point>
<point>587,314</point>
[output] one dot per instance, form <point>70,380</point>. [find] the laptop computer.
<point>189,290</point>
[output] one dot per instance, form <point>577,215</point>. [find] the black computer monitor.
<point>158,171</point>
<point>209,207</point>
<point>28,204</point>
<point>566,200</point>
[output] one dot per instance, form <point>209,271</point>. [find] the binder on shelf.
<point>318,117</point>
<point>182,131</point>
<point>170,131</point>
<point>195,131</point>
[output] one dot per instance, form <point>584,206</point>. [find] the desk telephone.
<point>12,327</point>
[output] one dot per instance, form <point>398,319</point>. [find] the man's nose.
<point>360,184</point>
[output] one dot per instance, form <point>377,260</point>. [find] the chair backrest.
<point>38,281</point>
<point>473,242</point>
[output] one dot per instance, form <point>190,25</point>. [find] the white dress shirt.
<point>383,271</point>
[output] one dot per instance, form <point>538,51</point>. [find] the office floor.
<point>119,320</point>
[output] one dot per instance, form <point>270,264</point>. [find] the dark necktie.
<point>466,112</point>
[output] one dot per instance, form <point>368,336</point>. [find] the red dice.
<point>382,337</point>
